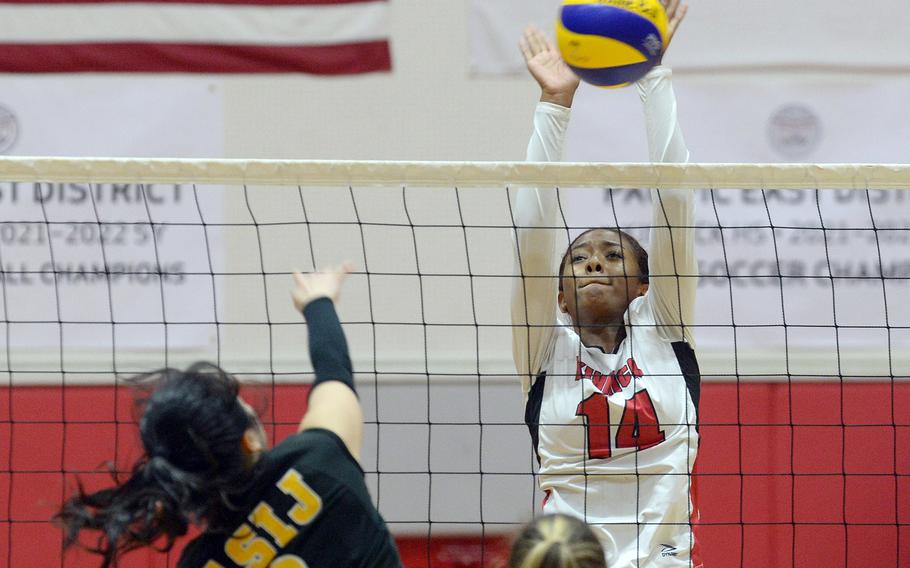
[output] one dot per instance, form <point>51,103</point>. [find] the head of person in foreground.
<point>556,541</point>
<point>201,442</point>
<point>601,272</point>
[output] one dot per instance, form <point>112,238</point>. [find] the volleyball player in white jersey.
<point>612,399</point>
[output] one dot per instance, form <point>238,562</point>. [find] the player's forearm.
<point>328,346</point>
<point>333,403</point>
<point>672,231</point>
<point>665,137</point>
<point>539,207</point>
<point>673,264</point>
<point>670,207</point>
<point>534,294</point>
<point>548,137</point>
<point>536,211</point>
<point>536,216</point>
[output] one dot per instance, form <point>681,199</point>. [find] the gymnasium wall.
<point>783,469</point>
<point>437,106</point>
<point>428,108</point>
<point>433,108</point>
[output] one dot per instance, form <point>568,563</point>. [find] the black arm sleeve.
<point>328,347</point>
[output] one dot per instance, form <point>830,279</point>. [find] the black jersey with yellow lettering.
<point>310,509</point>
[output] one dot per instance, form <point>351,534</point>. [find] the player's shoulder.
<point>641,319</point>
<point>312,440</point>
<point>566,344</point>
<point>315,450</point>
<point>640,310</point>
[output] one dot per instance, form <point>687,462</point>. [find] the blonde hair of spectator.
<point>556,541</point>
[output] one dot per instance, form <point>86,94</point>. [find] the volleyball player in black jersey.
<point>301,504</point>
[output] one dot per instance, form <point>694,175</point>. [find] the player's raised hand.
<point>557,82</point>
<point>676,12</point>
<point>323,284</point>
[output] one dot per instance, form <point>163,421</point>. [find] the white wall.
<point>428,108</point>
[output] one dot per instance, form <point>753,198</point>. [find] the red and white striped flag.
<point>326,37</point>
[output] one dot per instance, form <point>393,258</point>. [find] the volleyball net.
<point>115,267</point>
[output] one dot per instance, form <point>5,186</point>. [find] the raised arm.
<point>333,402</point>
<point>534,295</point>
<point>672,263</point>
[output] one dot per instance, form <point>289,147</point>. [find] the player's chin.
<point>597,293</point>
<point>597,307</point>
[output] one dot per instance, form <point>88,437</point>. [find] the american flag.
<point>326,37</point>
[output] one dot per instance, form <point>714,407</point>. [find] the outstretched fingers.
<point>676,12</point>
<point>540,41</point>
<point>533,42</point>
<point>525,46</point>
<point>325,283</point>
<point>341,273</point>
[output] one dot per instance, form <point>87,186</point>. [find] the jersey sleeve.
<point>672,262</point>
<point>536,218</point>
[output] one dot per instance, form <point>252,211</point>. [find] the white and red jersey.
<point>615,433</point>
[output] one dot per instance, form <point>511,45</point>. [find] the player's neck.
<point>606,337</point>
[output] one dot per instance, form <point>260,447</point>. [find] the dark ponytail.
<point>193,472</point>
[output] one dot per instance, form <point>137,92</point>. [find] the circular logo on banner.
<point>9,129</point>
<point>794,130</point>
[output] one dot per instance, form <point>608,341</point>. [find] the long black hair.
<point>193,471</point>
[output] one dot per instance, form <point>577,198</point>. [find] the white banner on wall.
<point>724,34</point>
<point>110,284</point>
<point>71,115</point>
<point>754,118</point>
<point>760,120</point>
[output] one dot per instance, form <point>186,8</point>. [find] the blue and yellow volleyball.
<point>611,43</point>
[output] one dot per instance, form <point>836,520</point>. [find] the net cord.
<point>462,174</point>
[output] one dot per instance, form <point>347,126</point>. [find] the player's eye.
<point>615,254</point>
<point>578,258</point>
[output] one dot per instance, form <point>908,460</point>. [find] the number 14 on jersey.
<point>638,428</point>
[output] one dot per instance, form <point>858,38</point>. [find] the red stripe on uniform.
<point>195,58</point>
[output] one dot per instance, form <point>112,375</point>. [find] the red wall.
<point>806,474</point>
